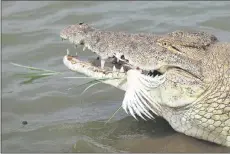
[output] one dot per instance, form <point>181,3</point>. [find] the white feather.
<point>137,98</point>
<point>140,108</point>
<point>137,108</point>
<point>147,113</point>
<point>131,109</point>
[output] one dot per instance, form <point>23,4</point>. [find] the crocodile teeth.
<point>84,48</point>
<point>102,63</point>
<point>122,69</point>
<point>67,51</point>
<point>76,53</point>
<point>114,68</point>
<point>117,60</point>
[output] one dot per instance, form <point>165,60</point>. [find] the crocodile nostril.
<point>81,23</point>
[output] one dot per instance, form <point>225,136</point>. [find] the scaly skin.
<point>194,96</point>
<point>191,44</point>
<point>208,117</point>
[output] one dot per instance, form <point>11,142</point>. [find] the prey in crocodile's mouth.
<point>138,82</point>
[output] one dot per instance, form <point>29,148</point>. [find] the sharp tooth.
<point>102,63</point>
<point>114,68</point>
<point>84,48</point>
<point>76,53</point>
<point>122,69</point>
<point>117,60</point>
<point>67,51</point>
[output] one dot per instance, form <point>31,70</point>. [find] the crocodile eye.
<point>165,43</point>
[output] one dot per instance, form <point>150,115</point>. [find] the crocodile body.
<point>191,90</point>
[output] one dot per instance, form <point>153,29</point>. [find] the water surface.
<point>59,118</point>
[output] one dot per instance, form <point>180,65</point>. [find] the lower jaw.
<point>117,80</point>
<point>87,68</point>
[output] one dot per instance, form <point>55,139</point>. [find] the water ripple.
<point>59,119</point>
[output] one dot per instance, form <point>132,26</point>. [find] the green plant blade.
<point>33,68</point>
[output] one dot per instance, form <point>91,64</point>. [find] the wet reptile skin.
<point>208,117</point>
<point>196,94</point>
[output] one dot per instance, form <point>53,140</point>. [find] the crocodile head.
<point>124,59</point>
<point>122,56</point>
<point>139,51</point>
<point>163,78</point>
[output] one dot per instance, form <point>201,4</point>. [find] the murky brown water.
<point>59,118</point>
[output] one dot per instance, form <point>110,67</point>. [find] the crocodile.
<point>182,76</point>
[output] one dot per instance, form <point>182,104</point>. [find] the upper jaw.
<point>82,43</point>
<point>103,56</point>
